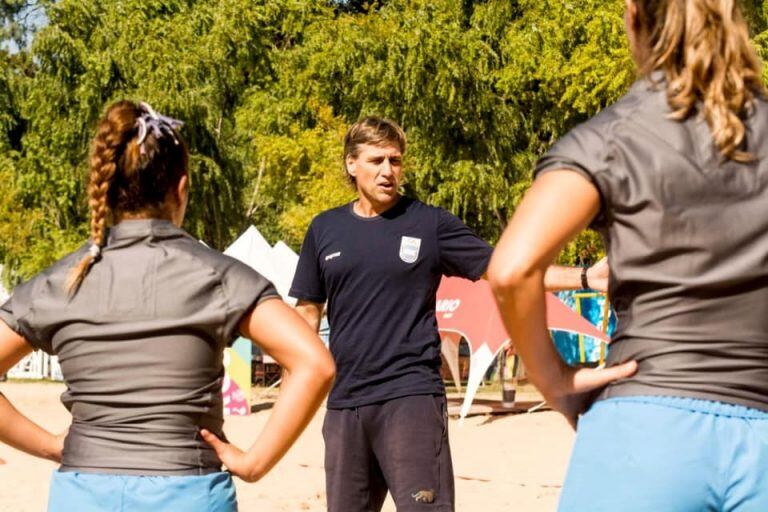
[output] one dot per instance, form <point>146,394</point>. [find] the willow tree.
<point>267,89</point>
<point>181,56</point>
<point>482,88</point>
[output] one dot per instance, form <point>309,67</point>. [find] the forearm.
<point>280,332</point>
<point>559,278</point>
<point>523,309</point>
<point>517,274</point>
<point>301,394</point>
<point>20,432</point>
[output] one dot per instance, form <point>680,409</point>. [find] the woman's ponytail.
<point>704,50</point>
<point>115,130</point>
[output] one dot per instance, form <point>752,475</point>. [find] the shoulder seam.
<point>624,118</point>
<point>220,279</point>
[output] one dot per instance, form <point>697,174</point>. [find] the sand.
<point>502,463</point>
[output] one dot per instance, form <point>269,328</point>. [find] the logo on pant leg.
<point>409,249</point>
<point>425,496</point>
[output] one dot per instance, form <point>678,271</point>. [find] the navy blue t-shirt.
<point>380,276</point>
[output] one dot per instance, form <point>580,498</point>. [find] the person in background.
<point>139,319</point>
<point>378,262</point>
<point>675,176</point>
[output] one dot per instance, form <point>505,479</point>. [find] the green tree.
<point>482,88</point>
<point>184,58</point>
<point>267,89</point>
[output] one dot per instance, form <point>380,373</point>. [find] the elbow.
<point>510,275</point>
<point>254,474</point>
<point>325,369</point>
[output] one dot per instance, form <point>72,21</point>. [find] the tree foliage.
<point>267,89</point>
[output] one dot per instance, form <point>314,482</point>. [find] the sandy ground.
<point>511,462</point>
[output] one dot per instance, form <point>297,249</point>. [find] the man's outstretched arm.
<point>558,278</point>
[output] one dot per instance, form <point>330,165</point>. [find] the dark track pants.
<point>400,445</point>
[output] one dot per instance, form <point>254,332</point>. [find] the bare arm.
<point>16,429</point>
<point>311,312</point>
<point>283,334</point>
<point>527,248</point>
<point>559,278</point>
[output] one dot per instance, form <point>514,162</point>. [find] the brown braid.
<point>122,180</point>
<point>114,130</point>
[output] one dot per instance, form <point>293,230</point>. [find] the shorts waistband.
<point>694,405</point>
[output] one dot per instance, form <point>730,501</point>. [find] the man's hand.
<point>597,275</point>
<point>311,312</point>
<point>235,459</point>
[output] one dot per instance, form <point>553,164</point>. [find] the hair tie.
<point>159,125</point>
<point>95,251</point>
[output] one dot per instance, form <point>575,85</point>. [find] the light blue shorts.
<point>668,454</point>
<point>86,492</point>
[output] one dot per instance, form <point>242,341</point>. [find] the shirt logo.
<point>332,256</point>
<point>409,249</point>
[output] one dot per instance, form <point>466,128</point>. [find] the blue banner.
<point>577,348</point>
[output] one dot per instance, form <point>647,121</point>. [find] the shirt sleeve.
<point>18,313</point>
<point>245,289</point>
<point>307,281</point>
<point>584,150</point>
<point>462,252</point>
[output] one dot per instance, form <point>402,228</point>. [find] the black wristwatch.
<point>584,282</point>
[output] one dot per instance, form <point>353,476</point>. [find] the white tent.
<point>253,249</point>
<point>278,263</point>
<point>284,263</point>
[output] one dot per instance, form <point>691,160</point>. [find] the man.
<point>378,262</point>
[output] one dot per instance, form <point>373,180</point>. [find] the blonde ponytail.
<point>704,50</point>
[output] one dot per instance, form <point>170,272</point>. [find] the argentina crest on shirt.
<point>409,249</point>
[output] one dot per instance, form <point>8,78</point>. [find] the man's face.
<point>378,171</point>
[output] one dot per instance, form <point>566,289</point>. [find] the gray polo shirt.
<point>140,346</point>
<point>687,239</point>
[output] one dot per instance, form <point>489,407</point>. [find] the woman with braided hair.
<point>139,319</point>
<point>675,177</point>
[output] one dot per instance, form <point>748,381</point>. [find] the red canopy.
<point>469,309</point>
